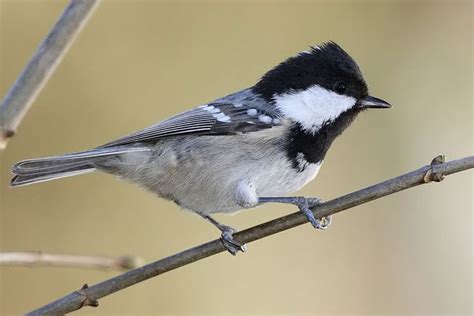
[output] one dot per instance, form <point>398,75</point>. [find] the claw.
<point>227,236</point>
<point>325,222</point>
<point>304,205</point>
<point>230,243</point>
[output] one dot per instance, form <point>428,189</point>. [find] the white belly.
<point>201,173</point>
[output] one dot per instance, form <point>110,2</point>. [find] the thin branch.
<point>88,296</point>
<point>39,258</point>
<point>41,66</point>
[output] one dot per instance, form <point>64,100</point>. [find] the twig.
<point>41,66</point>
<point>88,296</point>
<point>39,258</point>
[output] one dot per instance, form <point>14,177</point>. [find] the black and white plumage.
<point>235,114</point>
<point>252,146</point>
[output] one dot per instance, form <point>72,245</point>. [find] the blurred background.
<point>138,62</point>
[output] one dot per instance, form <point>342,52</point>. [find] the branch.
<point>88,296</point>
<point>41,66</point>
<point>39,258</point>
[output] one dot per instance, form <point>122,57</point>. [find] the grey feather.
<point>38,165</point>
<point>189,158</point>
<point>18,180</point>
<point>49,168</point>
<point>204,120</point>
<point>212,174</point>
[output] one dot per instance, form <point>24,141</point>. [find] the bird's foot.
<point>227,236</point>
<point>304,205</point>
<point>227,239</point>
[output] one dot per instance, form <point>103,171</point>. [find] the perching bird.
<point>253,146</point>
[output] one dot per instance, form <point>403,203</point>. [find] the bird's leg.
<point>304,204</point>
<point>227,237</point>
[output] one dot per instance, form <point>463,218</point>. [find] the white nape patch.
<point>313,107</point>
<point>252,112</point>
<point>276,121</point>
<point>265,119</point>
<point>221,117</point>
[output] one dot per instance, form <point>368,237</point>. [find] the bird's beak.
<point>370,102</point>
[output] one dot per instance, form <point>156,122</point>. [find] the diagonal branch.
<point>41,66</point>
<point>88,296</point>
<point>39,258</point>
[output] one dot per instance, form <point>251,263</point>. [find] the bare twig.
<point>88,296</point>
<point>39,258</point>
<point>41,66</point>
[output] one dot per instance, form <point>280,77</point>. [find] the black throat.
<point>313,147</point>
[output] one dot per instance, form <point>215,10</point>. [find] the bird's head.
<point>316,87</point>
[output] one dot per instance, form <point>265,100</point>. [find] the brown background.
<point>138,62</point>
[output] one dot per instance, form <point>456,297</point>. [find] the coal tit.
<point>253,146</point>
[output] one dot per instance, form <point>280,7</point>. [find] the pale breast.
<point>201,173</point>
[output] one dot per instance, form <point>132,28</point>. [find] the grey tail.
<point>51,168</point>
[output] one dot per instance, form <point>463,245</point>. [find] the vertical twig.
<point>41,66</point>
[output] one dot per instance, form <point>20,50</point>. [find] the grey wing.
<point>216,118</point>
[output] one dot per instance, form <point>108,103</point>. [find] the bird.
<point>255,146</point>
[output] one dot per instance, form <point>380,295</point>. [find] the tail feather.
<point>20,180</point>
<point>49,168</point>
<point>53,163</point>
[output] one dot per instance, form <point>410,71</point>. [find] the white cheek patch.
<point>313,107</point>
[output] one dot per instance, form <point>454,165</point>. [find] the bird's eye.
<point>340,87</point>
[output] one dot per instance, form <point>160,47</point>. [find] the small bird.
<point>251,147</point>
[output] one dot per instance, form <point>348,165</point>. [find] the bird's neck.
<point>313,146</point>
